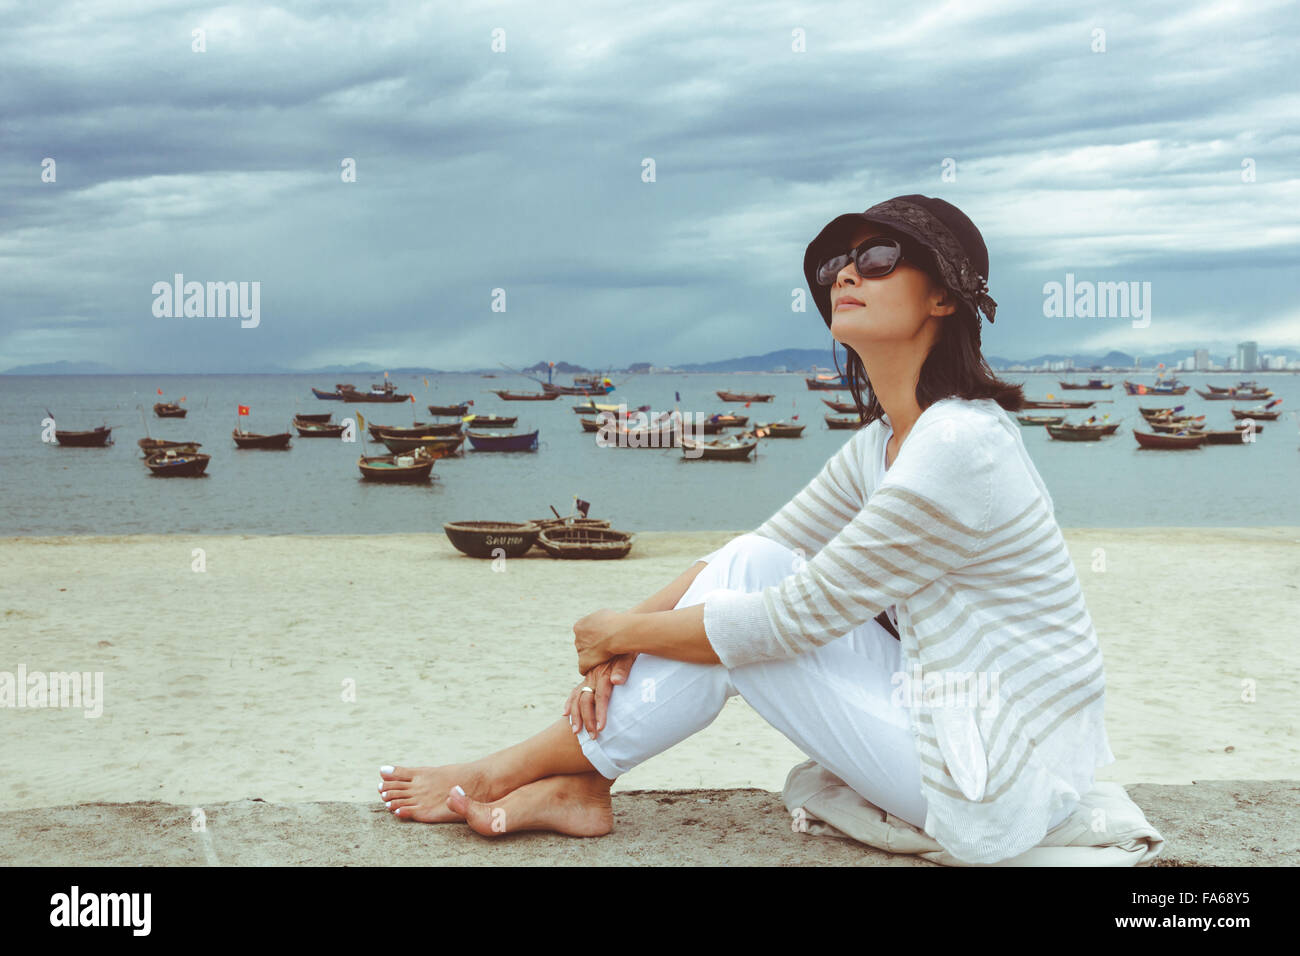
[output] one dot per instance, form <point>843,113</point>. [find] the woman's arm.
<point>666,598</point>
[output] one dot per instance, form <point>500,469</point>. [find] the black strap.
<point>883,619</point>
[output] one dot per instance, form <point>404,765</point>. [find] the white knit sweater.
<point>1000,656</point>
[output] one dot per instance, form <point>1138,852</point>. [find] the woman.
<point>911,619</point>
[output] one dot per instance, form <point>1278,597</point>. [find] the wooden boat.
<point>836,383</point>
<point>576,542</point>
<point>1245,385</point>
<point>1107,428</point>
<point>169,464</point>
<point>1233,436</point>
<point>1093,384</point>
<point>1148,412</point>
<point>321,418</point>
<point>730,421</point>
<point>318,429</point>
<point>1262,413</point>
<point>590,424</point>
<point>1076,432</point>
<point>1182,440</point>
<point>1173,428</point>
<point>1233,395</point>
<point>1040,419</point>
<point>444,444</point>
<point>1159,388</point>
<point>484,539</point>
<point>558,390</point>
<point>745,396</point>
<point>492,421</point>
<point>456,410</point>
<point>570,521</point>
<point>95,438</point>
<point>779,429</point>
<point>250,440</point>
<point>418,430</point>
<point>386,392</point>
<point>731,448</point>
<point>844,408</point>
<point>334,396</point>
<point>396,469</point>
<point>525,396</point>
<point>1058,404</point>
<point>660,434</point>
<point>149,446</point>
<point>169,410</point>
<point>851,421</point>
<point>489,441</point>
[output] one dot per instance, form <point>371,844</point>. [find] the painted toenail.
<point>459,789</point>
<point>385,769</point>
<point>384,795</point>
<point>388,804</point>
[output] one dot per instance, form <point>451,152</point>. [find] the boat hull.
<point>486,441</point>
<point>177,466</point>
<point>269,442</point>
<point>95,438</point>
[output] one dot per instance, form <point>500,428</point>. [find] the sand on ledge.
<point>232,684</point>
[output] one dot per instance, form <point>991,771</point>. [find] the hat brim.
<point>830,242</point>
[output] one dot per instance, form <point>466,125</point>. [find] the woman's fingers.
<point>587,705</point>
<point>603,689</point>
<point>622,667</point>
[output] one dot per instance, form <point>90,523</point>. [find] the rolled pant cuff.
<point>596,756</point>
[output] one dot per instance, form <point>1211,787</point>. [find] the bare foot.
<point>575,804</point>
<point>420,793</point>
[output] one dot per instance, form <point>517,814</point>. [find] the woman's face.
<point>900,307</point>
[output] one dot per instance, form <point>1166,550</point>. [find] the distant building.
<point>1202,360</point>
<point>1248,356</point>
<point>778,368</point>
<point>1232,363</point>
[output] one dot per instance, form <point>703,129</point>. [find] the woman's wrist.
<point>623,640</point>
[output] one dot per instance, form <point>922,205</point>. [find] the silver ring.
<point>586,690</point>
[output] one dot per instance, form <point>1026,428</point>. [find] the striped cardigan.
<point>1003,678</point>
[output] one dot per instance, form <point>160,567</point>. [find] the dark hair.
<point>955,368</point>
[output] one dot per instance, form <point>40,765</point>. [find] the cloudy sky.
<point>502,146</point>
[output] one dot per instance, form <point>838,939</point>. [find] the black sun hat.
<point>960,258</point>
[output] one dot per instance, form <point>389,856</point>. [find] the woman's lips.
<point>848,302</point>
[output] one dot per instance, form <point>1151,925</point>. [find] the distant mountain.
<point>62,368</point>
<point>793,359</point>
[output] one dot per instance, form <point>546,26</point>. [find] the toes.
<point>457,801</point>
<point>397,773</point>
<point>390,787</point>
<point>396,805</point>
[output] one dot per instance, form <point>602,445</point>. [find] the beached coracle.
<point>570,522</point>
<point>575,542</point>
<point>95,438</point>
<point>483,539</point>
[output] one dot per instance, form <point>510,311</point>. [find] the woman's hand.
<point>589,710</point>
<point>594,637</point>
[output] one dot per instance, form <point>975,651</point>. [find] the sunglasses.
<point>874,259</point>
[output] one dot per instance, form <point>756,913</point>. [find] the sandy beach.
<point>291,667</point>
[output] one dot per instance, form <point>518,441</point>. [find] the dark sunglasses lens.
<point>878,260</point>
<point>829,269</point>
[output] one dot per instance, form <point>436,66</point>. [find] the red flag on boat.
<point>747,404</point>
<point>243,409</point>
<point>160,391</point>
<point>412,399</point>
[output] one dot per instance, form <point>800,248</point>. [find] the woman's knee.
<point>752,562</point>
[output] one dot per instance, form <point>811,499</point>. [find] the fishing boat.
<point>487,539</point>
<point>850,422</point>
<point>169,410</point>
<point>659,434</point>
<point>1057,403</point>
<point>745,396</point>
<point>1173,428</point>
<point>1093,384</point>
<point>577,542</point>
<point>95,438</point>
<point>320,418</point>
<point>779,429</point>
<point>396,469</point>
<point>1065,432</point>
<point>1040,419</point>
<point>334,396</point>
<point>491,441</point>
<point>1233,436</point>
<point>169,464</point>
<point>318,429</point>
<point>1107,428</point>
<point>418,430</point>
<point>250,440</point>
<point>590,424</point>
<point>444,445</point>
<point>592,408</point>
<point>1148,412</point>
<point>844,408</point>
<point>730,421</point>
<point>492,421</point>
<point>1181,440</point>
<point>1171,387</point>
<point>831,383</point>
<point>1265,413</point>
<point>383,392</point>
<point>507,396</point>
<point>731,448</point>
<point>1245,385</point>
<point>558,390</point>
<point>149,446</point>
<point>455,410</point>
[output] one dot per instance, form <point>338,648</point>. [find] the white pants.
<point>832,702</point>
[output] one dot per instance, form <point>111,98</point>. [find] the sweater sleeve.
<point>929,516</point>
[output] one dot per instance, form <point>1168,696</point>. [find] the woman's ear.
<point>942,301</point>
